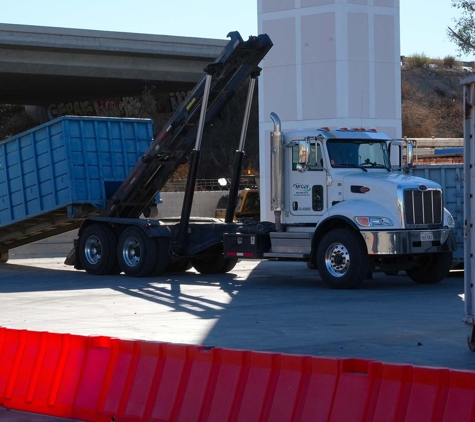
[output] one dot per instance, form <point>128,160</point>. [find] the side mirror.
<point>304,155</point>
<point>410,154</point>
<point>395,151</point>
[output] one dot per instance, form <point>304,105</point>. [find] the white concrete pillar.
<point>334,63</point>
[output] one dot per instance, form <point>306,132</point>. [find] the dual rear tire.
<point>214,264</point>
<point>135,254</point>
<point>101,253</point>
<point>97,250</point>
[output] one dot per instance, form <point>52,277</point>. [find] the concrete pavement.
<point>267,306</point>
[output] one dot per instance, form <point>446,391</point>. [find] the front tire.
<point>97,246</point>
<point>136,253</point>
<point>431,268</point>
<point>4,257</point>
<point>342,259</point>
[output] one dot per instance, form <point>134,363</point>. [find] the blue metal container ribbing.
<point>63,170</point>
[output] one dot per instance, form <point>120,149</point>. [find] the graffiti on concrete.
<point>119,107</point>
<point>77,108</point>
<point>123,107</point>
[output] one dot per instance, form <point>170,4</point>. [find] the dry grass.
<point>417,60</point>
<point>426,114</point>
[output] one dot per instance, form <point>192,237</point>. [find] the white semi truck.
<point>342,206</point>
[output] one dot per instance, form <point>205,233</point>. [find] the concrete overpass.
<point>40,65</point>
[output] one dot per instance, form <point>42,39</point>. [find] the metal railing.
<point>178,185</point>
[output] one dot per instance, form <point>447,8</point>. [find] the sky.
<point>423,22</point>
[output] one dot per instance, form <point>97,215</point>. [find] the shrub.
<point>418,60</point>
<point>449,61</point>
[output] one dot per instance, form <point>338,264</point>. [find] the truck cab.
<point>340,203</point>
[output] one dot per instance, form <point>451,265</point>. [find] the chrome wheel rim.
<point>337,260</point>
<point>93,250</point>
<point>131,252</point>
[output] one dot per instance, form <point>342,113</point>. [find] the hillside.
<point>432,102</point>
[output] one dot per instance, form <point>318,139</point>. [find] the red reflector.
<point>241,254</point>
<point>364,189</point>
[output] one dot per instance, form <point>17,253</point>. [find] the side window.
<point>316,158</point>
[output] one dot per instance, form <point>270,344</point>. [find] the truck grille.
<point>423,207</point>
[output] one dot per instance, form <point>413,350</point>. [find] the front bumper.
<point>401,242</point>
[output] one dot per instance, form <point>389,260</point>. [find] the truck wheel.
<point>342,259</point>
<point>431,268</point>
<point>136,253</point>
<point>162,257</point>
<point>214,265</point>
<point>97,246</point>
<point>229,264</point>
<point>179,266</point>
<point>4,257</point>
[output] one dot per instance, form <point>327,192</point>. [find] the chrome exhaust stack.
<point>277,171</point>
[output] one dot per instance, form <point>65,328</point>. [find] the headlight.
<point>373,221</point>
<point>448,218</point>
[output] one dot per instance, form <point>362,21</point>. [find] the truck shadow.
<point>177,290</point>
<point>166,290</point>
<point>266,306</point>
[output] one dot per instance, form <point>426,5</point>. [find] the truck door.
<point>307,190</point>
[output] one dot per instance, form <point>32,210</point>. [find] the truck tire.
<point>136,253</point>
<point>342,259</point>
<point>97,246</point>
<point>431,268</point>
<point>179,266</point>
<point>214,265</point>
<point>4,257</point>
<point>162,257</point>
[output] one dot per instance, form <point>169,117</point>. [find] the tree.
<point>463,34</point>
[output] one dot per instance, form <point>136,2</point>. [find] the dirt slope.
<point>432,102</point>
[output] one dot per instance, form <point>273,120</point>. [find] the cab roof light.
<point>344,129</point>
<point>325,128</point>
<point>372,130</point>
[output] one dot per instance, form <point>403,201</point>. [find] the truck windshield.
<point>358,153</point>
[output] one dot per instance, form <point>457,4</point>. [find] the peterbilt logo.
<point>299,186</point>
<point>423,187</point>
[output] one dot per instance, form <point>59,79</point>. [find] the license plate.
<point>427,236</point>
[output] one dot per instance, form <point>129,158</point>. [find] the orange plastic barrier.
<point>106,379</point>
